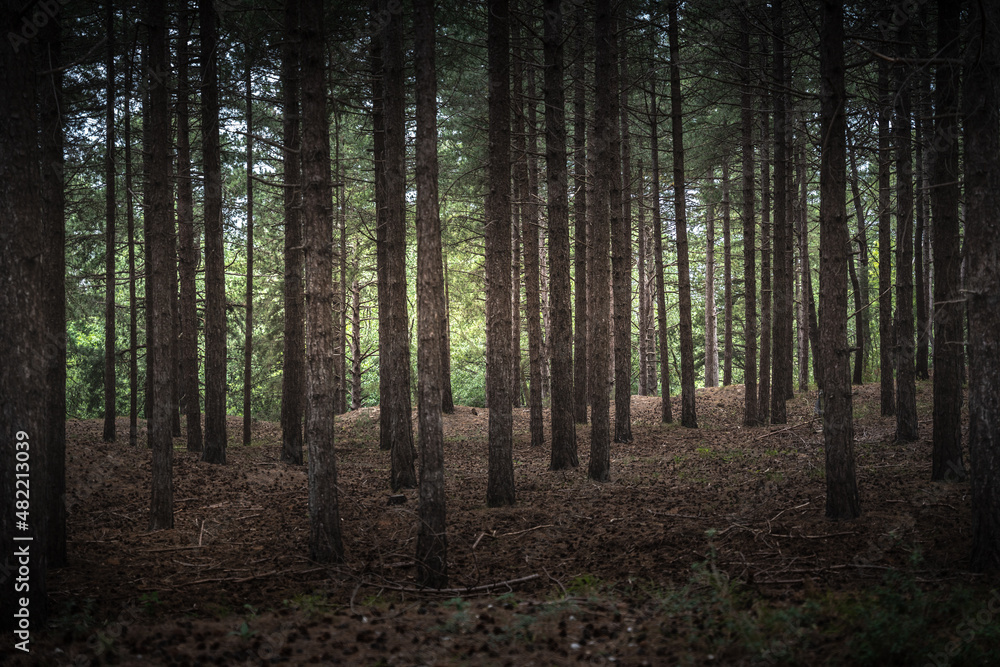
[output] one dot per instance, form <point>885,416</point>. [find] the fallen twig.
<point>460,591</point>
<point>787,428</point>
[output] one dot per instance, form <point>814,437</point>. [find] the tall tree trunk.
<point>640,266</point>
<point>110,207</point>
<point>500,485</point>
<point>688,415</point>
<point>342,285</point>
<point>133,329</point>
<point>766,287</point>
<point>516,376</point>
<point>293,379</point>
<point>355,339</point>
<point>923,131</point>
<point>727,279</point>
<point>397,409</point>
<point>187,254</point>
<point>159,234</point>
<point>534,214</point>
<point>215,276</point>
<point>563,453</point>
<point>381,212</point>
<point>325,543</point>
<point>432,551</point>
<point>750,417</point>
<point>886,330</point>
<point>248,333</point>
<point>781,359</point>
<point>948,295</point>
<point>598,305</point>
<point>863,336</point>
<point>981,106</point>
<point>805,296</point>
<point>856,291</point>
<point>621,252</point>
<point>906,409</point>
<point>666,414</point>
<point>838,422</point>
<point>50,485</point>
<point>711,317</point>
<point>580,355</point>
<point>447,397</point>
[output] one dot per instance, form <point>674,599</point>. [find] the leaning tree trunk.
<point>838,422</point>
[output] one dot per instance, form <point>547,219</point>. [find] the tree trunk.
<point>563,453</point>
<point>432,551</point>
<point>711,317</point>
<point>133,329</point>
<point>110,206</point>
<point>342,285</point>
<point>781,360</point>
<point>355,340</point>
<point>580,354</point>
<point>863,335</point>
<point>397,409</point>
<point>838,421</point>
<point>981,104</point>
<point>500,486</point>
<point>293,382</point>
<point>688,415</point>
<point>187,253</point>
<point>727,279</point>
<point>644,303</point>
<point>766,288</point>
<point>447,397</point>
<point>248,331</point>
<point>886,334</point>
<point>215,276</point>
<point>325,544</point>
<point>948,295</point>
<point>598,306</point>
<point>621,253</point>
<point>666,414</point>
<point>159,232</point>
<point>906,409</point>
<point>923,131</point>
<point>805,296</point>
<point>750,417</point>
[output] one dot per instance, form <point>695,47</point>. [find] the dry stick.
<point>246,579</point>
<point>787,428</point>
<point>459,591</point>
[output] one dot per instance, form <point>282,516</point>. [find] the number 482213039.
<point>22,484</point>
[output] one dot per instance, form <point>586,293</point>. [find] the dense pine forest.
<point>406,332</point>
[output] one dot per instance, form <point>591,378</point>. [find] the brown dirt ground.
<point>585,562</point>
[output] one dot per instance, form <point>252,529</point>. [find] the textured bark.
<point>645,317</point>
<point>598,304</point>
<point>529,222</point>
<point>923,132</point>
<point>447,397</point>
<point>325,544</point>
<point>907,429</point>
<point>886,334</point>
<point>727,280</point>
<point>381,211</point>
<point>342,284</point>
<point>781,360</point>
<point>516,376</point>
<point>749,260</point>
<point>293,380</point>
<point>580,356</point>
<point>215,278</point>
<point>711,317</point>
<point>766,288</point>
<point>432,551</point>
<point>396,408</point>
<point>160,233</point>
<point>133,329</point>
<point>355,340</point>
<point>948,297</point>
<point>863,335</point>
<point>563,429</point>
<point>248,332</point>
<point>666,414</point>
<point>621,253</point>
<point>805,289</point>
<point>500,484</point>
<point>535,214</point>
<point>981,106</point>
<point>838,421</point>
<point>187,253</point>
<point>110,207</point>
<point>689,416</point>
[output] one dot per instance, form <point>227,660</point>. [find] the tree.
<point>325,543</point>
<point>293,347</point>
<point>621,249</point>
<point>563,430</point>
<point>906,407</point>
<point>711,317</point>
<point>666,415</point>
<point>838,420</point>
<point>215,270</point>
<point>727,271</point>
<point>187,254</point>
<point>109,232</point>
<point>945,194</point>
<point>500,486</point>
<point>688,414</point>
<point>886,334</point>
<point>981,111</point>
<point>248,332</point>
<point>749,258</point>
<point>580,355</point>
<point>598,304</point>
<point>766,274</point>
<point>432,561</point>
<point>781,333</point>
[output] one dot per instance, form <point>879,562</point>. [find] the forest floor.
<point>709,546</point>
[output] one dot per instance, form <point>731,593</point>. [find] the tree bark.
<point>981,106</point>
<point>621,251</point>
<point>923,132</point>
<point>580,186</point>
<point>838,421</point>
<point>863,335</point>
<point>644,301</point>
<point>110,207</point>
<point>563,453</point>
<point>766,288</point>
<point>432,551</point>
<point>886,334</point>
<point>133,330</point>
<point>750,417</point>
<point>948,296</point>
<point>805,296</point>
<point>781,360</point>
<point>215,277</point>
<point>293,379</point>
<point>325,543</point>
<point>711,317</point>
<point>500,485</point>
<point>248,330</point>
<point>727,279</point>
<point>666,414</point>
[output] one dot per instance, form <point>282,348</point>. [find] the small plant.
<point>243,631</point>
<point>150,602</point>
<point>583,585</point>
<point>312,604</point>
